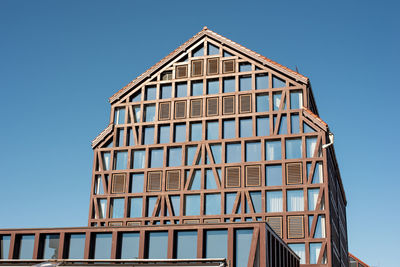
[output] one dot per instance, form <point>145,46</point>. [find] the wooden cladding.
<point>228,105</point>
<point>118,183</point>
<point>173,180</point>
<point>164,111</point>
<point>294,173</point>
<point>181,71</point>
<point>180,109</point>
<point>295,226</point>
<point>228,66</point>
<point>253,175</point>
<point>276,224</point>
<point>154,181</point>
<point>212,106</point>
<point>197,68</point>
<point>245,103</point>
<point>195,108</point>
<point>212,66</point>
<point>232,177</point>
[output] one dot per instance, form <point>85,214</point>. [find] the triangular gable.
<point>192,42</point>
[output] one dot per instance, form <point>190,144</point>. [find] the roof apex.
<point>196,37</point>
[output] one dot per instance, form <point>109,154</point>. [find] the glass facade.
<point>216,244</point>
<point>157,244</point>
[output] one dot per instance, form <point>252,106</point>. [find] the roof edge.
<point>102,135</point>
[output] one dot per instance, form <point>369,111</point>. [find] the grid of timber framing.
<point>131,115</point>
<point>266,248</point>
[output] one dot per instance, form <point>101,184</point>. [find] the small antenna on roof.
<point>297,70</point>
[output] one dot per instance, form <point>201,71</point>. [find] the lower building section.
<point>241,244</point>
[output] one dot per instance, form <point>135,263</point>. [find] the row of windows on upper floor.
<point>212,131</point>
<point>148,114</point>
<point>212,203</point>
<point>205,179</point>
<point>233,154</point>
<point>210,87</point>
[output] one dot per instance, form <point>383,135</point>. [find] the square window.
<point>229,85</point>
<point>181,90</point>
<point>197,88</point>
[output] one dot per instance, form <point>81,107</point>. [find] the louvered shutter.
<point>194,221</point>
<point>164,111</point>
<point>228,66</point>
<point>228,105</point>
<point>276,224</point>
<point>295,227</point>
<point>245,103</point>
<point>132,223</point>
<point>173,180</point>
<point>212,66</point>
<point>211,221</point>
<point>180,109</point>
<point>294,173</point>
<point>118,183</point>
<point>232,177</point>
<point>195,108</point>
<point>181,71</point>
<point>197,68</point>
<point>114,224</point>
<point>212,106</point>
<point>253,177</point>
<point>154,181</point>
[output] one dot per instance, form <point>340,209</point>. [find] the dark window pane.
<point>102,246</point>
<point>186,245</point>
<point>212,49</point>
<point>137,97</point>
<point>273,175</point>
<point>243,239</point>
<point>50,246</point>
<point>76,247</point>
<point>130,245</point>
<point>216,244</point>
<point>198,52</point>
<point>233,153</point>
<point>4,246</point>
<point>157,245</point>
<point>212,87</point>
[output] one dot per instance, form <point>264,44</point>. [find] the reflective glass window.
<point>195,131</point>
<point>277,100</point>
<point>186,245</point>
<point>273,175</point>
<point>212,204</point>
<point>157,245</point>
<point>106,160</point>
<point>245,83</point>
<point>175,202</point>
<point>76,248</point>
<point>137,183</point>
<point>295,124</point>
<point>212,87</point>
<point>262,81</point>
<point>151,203</point>
<point>283,125</point>
<point>233,153</point>
<point>253,151</point>
<point>174,156</point>
<point>166,91</point>
<point>229,129</point>
<point>102,246</point>
<point>196,181</point>
<point>156,158</point>
<point>190,153</point>
<point>181,90</point>
<point>197,88</point>
<point>102,208</point>
<point>180,133</point>
<point>50,244</point>
<point>300,250</point>
<point>245,66</point>
<point>262,103</point>
<point>216,152</point>
<point>293,148</point>
<point>119,116</point>
<point>212,49</point>
<point>273,150</point>
<point>229,201</point>
<point>296,99</point>
<point>243,238</point>
<point>295,200</point>
<point>163,134</point>
<point>149,112</point>
<point>277,83</point>
<point>315,249</point>
<point>212,130</point>
<point>210,180</point>
<point>312,198</point>
<point>148,138</point>
<point>4,246</point>
<point>192,205</point>
<point>216,243</point>
<point>135,207</point>
<point>274,201</point>
<point>26,243</point>
<point>138,113</point>
<point>198,51</point>
<point>151,93</point>
<point>262,126</point>
<point>311,143</point>
<point>246,127</point>
<point>117,207</point>
<point>307,128</point>
<point>138,159</point>
<point>256,201</point>
<point>229,85</point>
<point>130,245</point>
<point>120,160</point>
<point>137,97</point>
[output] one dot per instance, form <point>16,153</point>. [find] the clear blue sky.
<point>61,60</point>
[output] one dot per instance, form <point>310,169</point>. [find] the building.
<point>205,147</point>
<point>356,262</point>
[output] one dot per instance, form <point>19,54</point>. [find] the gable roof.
<point>223,40</point>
